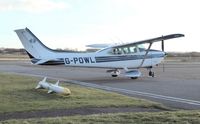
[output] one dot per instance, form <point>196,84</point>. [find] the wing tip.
<point>179,35</point>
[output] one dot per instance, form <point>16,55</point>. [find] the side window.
<point>126,50</point>
<point>133,49</point>
<point>114,50</point>
<point>117,51</point>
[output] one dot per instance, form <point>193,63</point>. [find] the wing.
<point>162,38</point>
<point>98,46</point>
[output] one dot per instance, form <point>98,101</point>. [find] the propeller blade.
<point>163,47</point>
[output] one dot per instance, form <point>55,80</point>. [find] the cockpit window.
<point>141,48</point>
<point>117,51</point>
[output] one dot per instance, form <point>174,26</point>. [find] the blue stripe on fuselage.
<point>126,57</point>
<point>101,59</point>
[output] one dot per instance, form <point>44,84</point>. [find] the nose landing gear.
<point>151,73</point>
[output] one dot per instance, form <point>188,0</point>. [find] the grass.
<point>18,93</point>
<point>180,117</point>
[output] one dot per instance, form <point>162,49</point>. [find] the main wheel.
<point>114,75</point>
<point>151,74</point>
<point>134,77</point>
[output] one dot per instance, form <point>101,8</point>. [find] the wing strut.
<point>145,56</point>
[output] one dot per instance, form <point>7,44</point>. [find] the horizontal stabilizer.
<point>42,61</point>
<point>38,87</point>
<point>50,91</point>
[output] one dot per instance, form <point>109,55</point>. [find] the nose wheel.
<point>151,73</point>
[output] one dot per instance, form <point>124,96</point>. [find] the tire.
<point>134,78</point>
<point>152,74</point>
<point>114,75</point>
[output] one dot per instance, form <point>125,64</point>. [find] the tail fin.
<point>44,80</point>
<point>57,83</point>
<point>34,47</point>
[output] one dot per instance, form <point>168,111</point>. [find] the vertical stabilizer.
<point>34,47</point>
<point>57,82</point>
<point>44,80</point>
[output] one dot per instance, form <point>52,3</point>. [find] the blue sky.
<point>75,23</point>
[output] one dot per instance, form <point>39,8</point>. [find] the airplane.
<point>128,56</point>
<point>53,88</point>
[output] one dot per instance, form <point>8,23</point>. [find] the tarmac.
<point>177,87</point>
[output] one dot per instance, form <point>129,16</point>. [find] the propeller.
<point>163,49</point>
<point>162,45</point>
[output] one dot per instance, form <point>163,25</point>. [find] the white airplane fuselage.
<point>101,60</point>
